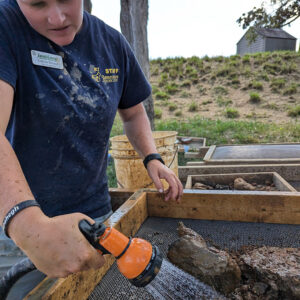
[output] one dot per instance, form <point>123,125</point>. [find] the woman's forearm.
<point>13,185</point>
<point>138,130</point>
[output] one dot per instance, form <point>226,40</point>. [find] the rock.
<point>237,297</point>
<point>259,288</point>
<point>201,186</point>
<point>209,264</point>
<point>182,231</point>
<point>277,269</point>
<point>241,184</point>
<point>222,187</point>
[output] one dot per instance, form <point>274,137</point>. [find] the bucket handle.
<point>176,151</point>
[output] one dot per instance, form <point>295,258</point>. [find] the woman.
<point>63,76</point>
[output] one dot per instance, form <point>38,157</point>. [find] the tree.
<point>279,14</point>
<point>133,22</point>
<point>88,5</point>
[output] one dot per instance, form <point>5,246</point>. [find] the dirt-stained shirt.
<point>64,106</point>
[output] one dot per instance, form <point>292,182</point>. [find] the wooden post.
<point>133,22</point>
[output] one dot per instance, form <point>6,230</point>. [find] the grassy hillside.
<point>261,87</point>
<point>249,99</point>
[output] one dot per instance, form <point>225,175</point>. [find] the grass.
<point>193,106</point>
<point>178,113</point>
<point>223,102</point>
<point>277,83</point>
<point>206,102</point>
<point>171,88</point>
<point>294,111</point>
<point>172,106</point>
<point>111,174</point>
<point>263,76</point>
<point>235,81</point>
<point>225,71</point>
<point>157,113</point>
<point>290,90</point>
<point>161,95</point>
<point>255,98</point>
<point>186,83</point>
<point>201,89</point>
<point>288,68</point>
<point>231,113</point>
<point>227,131</point>
<point>233,131</point>
<point>246,59</point>
<point>271,68</point>
<point>163,79</point>
<point>257,85</point>
<point>117,128</point>
<point>272,106</point>
<point>220,90</point>
<point>185,94</point>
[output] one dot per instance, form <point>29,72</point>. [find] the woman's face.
<point>57,20</point>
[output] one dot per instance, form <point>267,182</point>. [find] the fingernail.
<point>161,190</point>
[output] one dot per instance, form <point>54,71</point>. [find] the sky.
<point>189,27</point>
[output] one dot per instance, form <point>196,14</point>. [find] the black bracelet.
<point>151,157</point>
<point>15,210</point>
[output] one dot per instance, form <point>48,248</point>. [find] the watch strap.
<point>152,156</point>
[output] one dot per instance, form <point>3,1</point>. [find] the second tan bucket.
<point>130,171</point>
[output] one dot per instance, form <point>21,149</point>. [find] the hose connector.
<point>137,259</point>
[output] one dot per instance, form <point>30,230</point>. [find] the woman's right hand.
<point>54,245</point>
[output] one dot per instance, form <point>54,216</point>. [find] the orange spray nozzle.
<point>137,259</point>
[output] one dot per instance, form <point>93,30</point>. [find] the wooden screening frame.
<point>290,172</point>
<point>195,144</point>
<point>224,179</point>
<point>245,206</point>
<point>209,159</point>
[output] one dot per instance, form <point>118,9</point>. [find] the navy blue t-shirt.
<point>62,118</point>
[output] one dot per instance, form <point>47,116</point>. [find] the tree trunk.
<point>133,21</point>
<point>88,6</point>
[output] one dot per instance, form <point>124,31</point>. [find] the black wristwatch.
<point>151,157</point>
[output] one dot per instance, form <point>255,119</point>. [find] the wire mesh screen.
<point>224,234</point>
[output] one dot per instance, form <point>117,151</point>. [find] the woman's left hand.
<point>157,171</point>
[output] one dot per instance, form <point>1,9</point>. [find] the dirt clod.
<point>254,273</point>
<point>208,264</point>
<point>241,184</point>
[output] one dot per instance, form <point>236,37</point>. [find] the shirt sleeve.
<point>8,66</point>
<point>136,87</point>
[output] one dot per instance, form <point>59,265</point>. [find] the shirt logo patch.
<point>109,75</point>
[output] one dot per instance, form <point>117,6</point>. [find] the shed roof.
<point>274,33</point>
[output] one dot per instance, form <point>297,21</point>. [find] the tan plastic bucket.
<point>130,171</point>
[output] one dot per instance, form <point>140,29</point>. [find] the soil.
<point>250,273</point>
<point>271,275</point>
